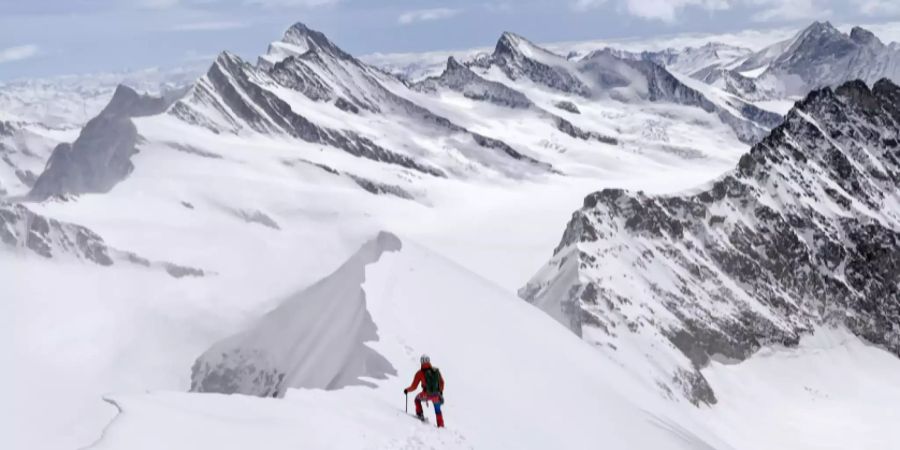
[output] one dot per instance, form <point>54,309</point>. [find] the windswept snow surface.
<point>514,380</point>
<point>832,392</point>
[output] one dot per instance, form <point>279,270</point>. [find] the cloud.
<point>498,6</point>
<point>18,53</point>
<point>787,10</point>
<point>209,26</point>
<point>158,4</point>
<point>424,15</point>
<point>878,7</point>
<point>761,10</point>
<point>662,10</point>
<point>290,3</point>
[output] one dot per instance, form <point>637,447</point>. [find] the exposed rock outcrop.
<point>805,231</point>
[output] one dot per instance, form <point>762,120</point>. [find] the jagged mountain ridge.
<point>820,55</point>
<point>805,231</point>
<point>242,95</point>
<point>307,88</point>
<point>605,73</point>
<point>692,61</point>
<point>460,78</point>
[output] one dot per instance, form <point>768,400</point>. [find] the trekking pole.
<point>406,403</point>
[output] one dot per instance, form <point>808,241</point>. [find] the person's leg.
<point>418,402</point>
<point>437,411</point>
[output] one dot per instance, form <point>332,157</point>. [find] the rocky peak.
<point>863,36</point>
<point>301,35</point>
<point>818,37</point>
<point>126,102</point>
<point>818,29</point>
<point>802,233</point>
<point>823,56</point>
<point>299,40</point>
<point>227,62</point>
<point>889,91</point>
<point>507,44</point>
<point>513,45</point>
<point>453,65</point>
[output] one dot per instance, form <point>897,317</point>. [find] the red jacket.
<point>420,379</point>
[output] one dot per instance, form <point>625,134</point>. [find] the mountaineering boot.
<point>420,416</point>
<point>440,420</point>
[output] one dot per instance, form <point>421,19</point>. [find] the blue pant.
<point>433,398</point>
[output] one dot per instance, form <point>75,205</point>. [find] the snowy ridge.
<point>804,231</point>
<point>317,339</point>
<point>404,289</point>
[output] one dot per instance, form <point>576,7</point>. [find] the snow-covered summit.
<point>297,40</point>
<point>821,55</point>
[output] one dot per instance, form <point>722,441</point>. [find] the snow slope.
<point>24,150</point>
<point>833,391</point>
<point>420,303</point>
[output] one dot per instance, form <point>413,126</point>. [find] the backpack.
<point>432,380</point>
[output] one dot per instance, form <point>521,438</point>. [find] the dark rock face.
<point>7,128</point>
<point>20,228</point>
<point>374,187</point>
<point>231,91</point>
<point>519,58</point>
<point>460,78</point>
<point>101,156</point>
<point>605,72</point>
<point>567,106</point>
<point>750,125</point>
<point>821,55</point>
<point>805,231</point>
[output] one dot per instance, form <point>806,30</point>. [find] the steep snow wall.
<point>314,339</point>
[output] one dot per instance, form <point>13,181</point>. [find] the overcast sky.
<point>52,37</point>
